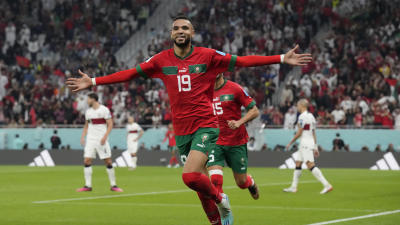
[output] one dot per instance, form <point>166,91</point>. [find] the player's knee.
<point>241,181</point>
<point>191,179</point>
<point>87,161</point>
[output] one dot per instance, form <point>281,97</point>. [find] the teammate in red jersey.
<point>231,146</point>
<point>189,74</point>
<point>170,135</point>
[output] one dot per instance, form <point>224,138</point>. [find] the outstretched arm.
<point>85,81</point>
<point>290,58</point>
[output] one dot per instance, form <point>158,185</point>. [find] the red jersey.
<point>227,103</point>
<point>171,138</point>
<point>190,84</point>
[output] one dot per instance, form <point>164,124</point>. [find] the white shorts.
<point>133,146</point>
<point>92,147</point>
<point>305,154</point>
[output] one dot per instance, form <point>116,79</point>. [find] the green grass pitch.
<point>157,195</point>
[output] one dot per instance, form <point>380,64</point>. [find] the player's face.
<point>170,126</point>
<point>182,32</point>
<point>131,120</point>
<point>90,101</point>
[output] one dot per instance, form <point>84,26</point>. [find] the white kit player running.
<point>133,136</point>
<point>307,149</point>
<point>97,127</point>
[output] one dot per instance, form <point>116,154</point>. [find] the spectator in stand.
<point>270,90</point>
<point>277,117</point>
<point>396,116</point>
<point>339,145</point>
<point>290,119</point>
<point>378,148</point>
<point>251,145</point>
<point>390,148</point>
<point>339,115</point>
<point>358,120</point>
<point>347,103</point>
<point>156,118</point>
<point>18,143</point>
<point>387,119</point>
<point>55,141</point>
<point>287,94</point>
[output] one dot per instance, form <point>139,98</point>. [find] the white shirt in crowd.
<point>290,119</point>
<point>307,122</point>
<point>11,34</point>
<point>156,119</point>
<point>97,122</point>
<point>347,104</point>
<point>33,46</point>
<point>364,107</point>
<point>133,131</point>
<point>338,115</point>
<point>152,95</point>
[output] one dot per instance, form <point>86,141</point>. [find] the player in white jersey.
<point>97,127</point>
<point>134,133</point>
<point>307,149</point>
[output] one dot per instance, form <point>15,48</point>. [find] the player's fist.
<point>103,140</point>
<point>83,142</point>
<point>316,153</point>
<point>77,84</point>
<point>233,124</point>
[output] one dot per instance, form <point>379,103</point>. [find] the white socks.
<point>88,175</point>
<point>111,175</point>
<point>318,174</point>
<point>296,177</point>
<point>134,160</point>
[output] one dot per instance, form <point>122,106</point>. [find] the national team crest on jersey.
<point>242,161</point>
<point>226,98</point>
<point>204,137</point>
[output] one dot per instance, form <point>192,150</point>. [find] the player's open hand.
<point>103,140</point>
<point>294,59</point>
<point>233,124</point>
<point>83,142</point>
<point>77,84</point>
<point>137,139</point>
<point>316,153</point>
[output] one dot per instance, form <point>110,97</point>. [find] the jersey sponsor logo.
<point>201,145</point>
<point>246,93</point>
<point>216,99</point>
<point>221,53</point>
<point>204,137</point>
<point>183,70</point>
<point>243,168</point>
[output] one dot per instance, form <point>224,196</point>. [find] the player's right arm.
<point>166,136</point>
<point>85,129</point>
<point>316,152</point>
<point>296,136</point>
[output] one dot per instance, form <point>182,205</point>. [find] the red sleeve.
<point>244,98</point>
<point>118,77</point>
<point>149,68</point>
<point>222,62</point>
<point>256,60</point>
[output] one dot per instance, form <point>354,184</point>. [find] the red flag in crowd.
<point>22,61</point>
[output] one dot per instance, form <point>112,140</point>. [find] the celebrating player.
<point>133,139</point>
<point>97,127</point>
<point>189,73</point>
<point>231,146</point>
<point>170,135</point>
<point>308,146</point>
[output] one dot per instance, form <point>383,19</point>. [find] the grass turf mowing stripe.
<point>235,206</point>
<point>357,218</point>
<point>154,193</point>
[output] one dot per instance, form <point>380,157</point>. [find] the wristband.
<point>282,58</point>
<point>94,81</point>
<point>316,146</point>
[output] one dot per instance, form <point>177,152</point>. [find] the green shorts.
<point>203,140</point>
<point>172,148</point>
<point>235,157</point>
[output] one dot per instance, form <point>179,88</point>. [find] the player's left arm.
<point>109,128</point>
<point>296,136</point>
<point>140,135</point>
<point>316,152</point>
<point>250,115</point>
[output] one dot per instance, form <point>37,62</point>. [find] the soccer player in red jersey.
<point>231,147</point>
<point>170,135</point>
<point>189,74</point>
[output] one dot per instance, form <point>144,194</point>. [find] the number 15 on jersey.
<point>217,108</point>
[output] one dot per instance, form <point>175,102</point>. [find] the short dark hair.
<point>183,17</point>
<point>94,96</point>
<point>16,135</point>
<point>55,132</point>
<point>337,135</point>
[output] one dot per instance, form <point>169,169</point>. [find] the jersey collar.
<point>225,80</point>
<point>191,51</point>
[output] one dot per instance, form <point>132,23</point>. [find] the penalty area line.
<point>151,193</point>
<point>357,218</point>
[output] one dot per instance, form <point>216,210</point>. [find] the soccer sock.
<point>111,175</point>
<point>296,176</point>
<point>172,160</point>
<point>201,183</point>
<point>134,160</point>
<point>318,174</point>
<point>88,175</point>
<point>175,160</point>
<point>210,209</point>
<point>249,183</point>
<point>217,179</point>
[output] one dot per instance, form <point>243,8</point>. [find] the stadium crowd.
<point>353,80</point>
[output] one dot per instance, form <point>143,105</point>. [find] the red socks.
<point>173,160</point>
<point>217,180</point>
<point>249,183</point>
<point>201,183</point>
<point>210,209</point>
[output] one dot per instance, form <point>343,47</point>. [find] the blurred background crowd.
<point>353,80</point>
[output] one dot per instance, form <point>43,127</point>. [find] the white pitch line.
<point>235,206</point>
<point>357,218</point>
<point>152,193</point>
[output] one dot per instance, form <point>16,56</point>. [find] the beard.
<point>183,44</point>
